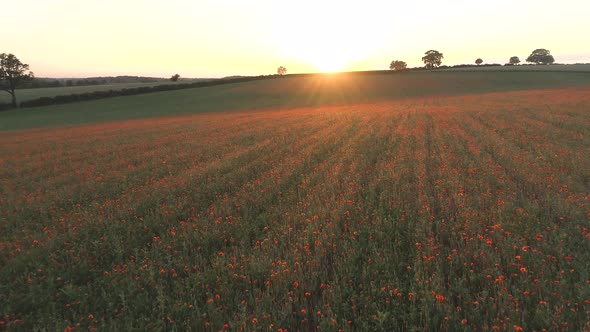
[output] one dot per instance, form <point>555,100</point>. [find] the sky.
<point>217,38</point>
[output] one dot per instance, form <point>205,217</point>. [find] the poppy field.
<point>429,213</point>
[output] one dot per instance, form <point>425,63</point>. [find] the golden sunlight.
<point>327,37</point>
<point>329,63</point>
<point>329,67</point>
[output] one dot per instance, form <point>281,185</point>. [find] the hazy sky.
<point>214,38</point>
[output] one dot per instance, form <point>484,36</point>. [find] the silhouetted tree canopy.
<point>432,59</point>
<point>541,56</point>
<point>479,61</point>
<point>175,78</point>
<point>398,65</point>
<point>12,73</point>
<point>514,60</point>
<point>281,70</point>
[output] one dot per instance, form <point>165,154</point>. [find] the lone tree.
<point>479,61</point>
<point>432,59</point>
<point>541,56</point>
<point>398,65</point>
<point>12,72</point>
<point>281,70</point>
<point>514,60</point>
<point>175,78</point>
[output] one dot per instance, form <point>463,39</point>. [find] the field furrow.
<point>465,212</point>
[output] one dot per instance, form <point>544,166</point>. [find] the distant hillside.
<point>139,79</point>
<point>286,93</point>
<point>47,82</point>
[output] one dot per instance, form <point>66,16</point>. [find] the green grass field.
<point>406,202</point>
<point>288,92</point>
<point>28,94</point>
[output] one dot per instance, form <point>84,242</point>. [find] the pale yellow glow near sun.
<point>328,35</point>
<point>329,65</point>
<point>217,38</point>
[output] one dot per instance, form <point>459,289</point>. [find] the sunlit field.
<point>329,65</point>
<point>461,212</point>
<point>288,92</point>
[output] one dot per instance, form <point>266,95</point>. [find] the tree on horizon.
<point>541,56</point>
<point>432,59</point>
<point>12,73</point>
<point>479,61</point>
<point>281,71</point>
<point>514,60</point>
<point>398,65</point>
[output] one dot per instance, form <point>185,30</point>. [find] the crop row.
<point>447,213</point>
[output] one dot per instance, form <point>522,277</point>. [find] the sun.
<point>329,63</point>
<point>329,40</point>
<point>322,50</point>
<point>328,67</point>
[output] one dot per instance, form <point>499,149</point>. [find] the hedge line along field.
<point>466,212</point>
<point>29,94</point>
<point>288,92</point>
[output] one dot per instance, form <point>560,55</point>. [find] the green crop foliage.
<point>444,210</point>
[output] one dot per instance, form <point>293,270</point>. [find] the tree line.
<point>433,59</point>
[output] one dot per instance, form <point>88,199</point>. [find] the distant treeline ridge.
<point>89,81</point>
